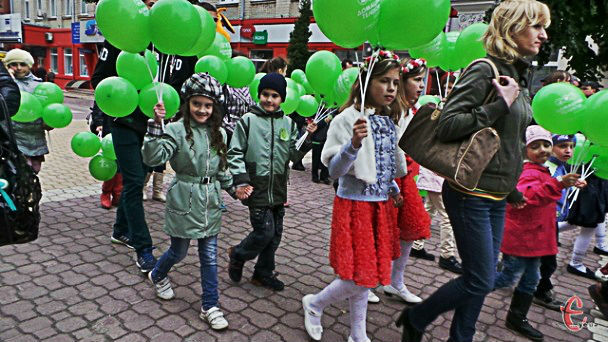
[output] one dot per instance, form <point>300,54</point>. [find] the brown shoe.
<point>235,267</point>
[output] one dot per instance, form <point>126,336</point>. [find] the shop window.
<point>53,5</point>
<point>259,57</point>
<point>83,64</point>
<point>54,64</point>
<point>67,62</point>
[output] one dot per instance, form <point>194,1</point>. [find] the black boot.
<point>516,318</point>
<point>409,333</point>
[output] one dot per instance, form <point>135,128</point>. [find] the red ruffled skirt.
<point>364,241</point>
<point>412,219</point>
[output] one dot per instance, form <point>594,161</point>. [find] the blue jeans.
<point>478,226</point>
<point>130,217</point>
<point>207,254</point>
<point>527,270</point>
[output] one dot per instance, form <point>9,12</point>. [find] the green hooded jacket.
<point>260,150</point>
<point>193,203</point>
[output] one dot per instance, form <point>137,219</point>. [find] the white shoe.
<point>350,339</point>
<point>163,288</point>
<point>404,294</point>
<point>314,331</point>
<point>215,318</point>
<point>600,275</point>
<point>372,298</point>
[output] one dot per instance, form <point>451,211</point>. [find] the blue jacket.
<point>558,168</point>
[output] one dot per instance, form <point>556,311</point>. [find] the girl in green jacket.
<point>196,148</point>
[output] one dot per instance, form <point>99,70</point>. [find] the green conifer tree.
<point>297,51</point>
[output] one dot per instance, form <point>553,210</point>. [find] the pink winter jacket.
<point>530,232</point>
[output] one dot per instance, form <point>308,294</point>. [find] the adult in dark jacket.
<point>9,93</point>
<point>516,31</point>
<point>128,132</point>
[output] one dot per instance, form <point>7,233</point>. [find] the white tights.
<point>399,265</point>
<point>339,290</point>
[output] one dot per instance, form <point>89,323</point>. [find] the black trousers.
<point>317,148</point>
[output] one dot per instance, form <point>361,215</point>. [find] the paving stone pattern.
<point>72,284</point>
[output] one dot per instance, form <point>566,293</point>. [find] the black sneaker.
<point>272,282</point>
<point>599,251</point>
<point>298,166</point>
<point>450,264</point>
<point>422,254</point>
<point>121,239</point>
<point>146,260</point>
<point>546,299</point>
<point>326,181</point>
<point>315,179</point>
<point>586,274</point>
<point>409,333</point>
<point>235,267</point>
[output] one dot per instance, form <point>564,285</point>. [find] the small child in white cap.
<point>30,136</point>
<point>530,231</point>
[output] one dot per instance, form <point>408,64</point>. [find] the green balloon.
<point>124,23</point>
<point>107,147</point>
<point>469,45</point>
<point>241,72</point>
<point>322,70</point>
<point>601,173</point>
<point>293,85</point>
<point>102,168</point>
<point>85,144</point>
<point>214,66</point>
<point>116,96</point>
<point>298,75</point>
<point>425,99</point>
<point>595,119</point>
<point>431,51</point>
<point>220,48</point>
<point>47,93</point>
<point>253,87</point>
<point>57,115</point>
<point>148,98</point>
<point>205,39</point>
<point>307,87</point>
<point>30,108</point>
<point>582,152</point>
<point>558,107</point>
<point>137,69</point>
<point>405,24</point>
<point>347,23</point>
<point>292,100</point>
<point>308,106</point>
<point>175,26</point>
<point>344,85</point>
<point>449,60</point>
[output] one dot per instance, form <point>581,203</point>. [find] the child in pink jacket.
<point>530,230</point>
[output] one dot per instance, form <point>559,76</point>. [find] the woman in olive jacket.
<point>516,31</point>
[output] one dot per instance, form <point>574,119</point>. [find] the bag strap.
<point>495,73</point>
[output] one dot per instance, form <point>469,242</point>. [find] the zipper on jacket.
<point>207,185</point>
<point>271,176</point>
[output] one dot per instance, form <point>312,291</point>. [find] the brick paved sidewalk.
<point>72,284</point>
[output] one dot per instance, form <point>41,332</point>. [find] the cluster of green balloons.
<point>453,50</point>
<point>392,24</point>
<point>585,151</point>
<point>45,102</point>
<point>175,27</point>
<point>103,165</point>
<point>237,72</point>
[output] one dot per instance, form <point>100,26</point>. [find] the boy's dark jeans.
<point>263,241</point>
<point>317,148</point>
<point>130,218</point>
<point>548,265</point>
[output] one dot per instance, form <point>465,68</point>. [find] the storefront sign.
<point>10,28</point>
<point>75,33</point>
<point>89,32</point>
<point>247,31</point>
<point>260,38</point>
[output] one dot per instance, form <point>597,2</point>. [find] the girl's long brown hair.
<point>380,68</point>
<point>405,75</point>
<point>215,122</point>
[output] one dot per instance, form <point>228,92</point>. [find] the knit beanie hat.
<point>536,132</point>
<point>203,84</point>
<point>274,81</point>
<point>18,56</point>
<point>560,138</point>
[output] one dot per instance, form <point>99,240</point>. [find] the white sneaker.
<point>215,318</point>
<point>163,288</point>
<point>404,294</point>
<point>350,339</point>
<point>372,298</point>
<point>600,275</point>
<point>314,331</point>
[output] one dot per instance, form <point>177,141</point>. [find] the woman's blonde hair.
<point>510,18</point>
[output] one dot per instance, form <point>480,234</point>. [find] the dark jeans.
<point>316,162</point>
<point>548,265</point>
<point>524,271</point>
<point>478,225</point>
<point>207,255</point>
<point>264,240</point>
<point>130,218</point>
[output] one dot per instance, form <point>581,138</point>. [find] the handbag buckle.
<point>436,114</point>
